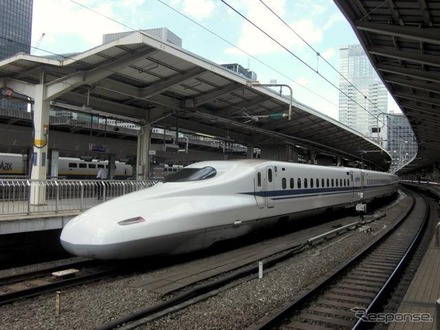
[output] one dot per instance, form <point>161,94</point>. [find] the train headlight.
<point>131,221</point>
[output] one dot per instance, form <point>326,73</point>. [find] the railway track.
<point>191,293</point>
<point>33,283</point>
<point>352,296</point>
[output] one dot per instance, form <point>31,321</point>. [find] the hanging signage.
<point>97,147</point>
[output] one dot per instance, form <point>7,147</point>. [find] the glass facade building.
<point>401,143</point>
<point>363,106</point>
<point>362,95</point>
<point>15,27</point>
<point>15,35</point>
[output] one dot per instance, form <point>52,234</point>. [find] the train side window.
<point>322,183</point>
<point>328,182</point>
<point>340,182</point>
<point>269,175</point>
<point>73,165</point>
<point>259,179</point>
<point>82,165</point>
<point>299,183</point>
<point>333,182</point>
<point>317,183</point>
<point>284,183</point>
<point>311,182</point>
<point>305,182</point>
<point>100,166</point>
<point>292,183</point>
<point>92,165</point>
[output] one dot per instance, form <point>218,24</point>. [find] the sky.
<point>302,49</point>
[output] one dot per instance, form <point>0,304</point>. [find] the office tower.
<point>15,36</point>
<point>362,95</point>
<point>401,143</point>
<point>15,27</point>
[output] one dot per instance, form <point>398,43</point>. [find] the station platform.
<point>418,307</point>
<point>63,200</point>
<point>25,223</point>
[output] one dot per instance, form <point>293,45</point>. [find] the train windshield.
<point>192,174</point>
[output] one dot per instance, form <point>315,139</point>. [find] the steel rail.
<point>205,290</point>
<point>41,286</point>
<point>379,299</point>
<point>305,296</point>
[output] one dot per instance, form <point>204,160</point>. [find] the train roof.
<point>225,165</point>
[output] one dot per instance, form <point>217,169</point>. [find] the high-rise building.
<point>15,35</point>
<point>401,143</point>
<point>15,27</point>
<point>362,95</point>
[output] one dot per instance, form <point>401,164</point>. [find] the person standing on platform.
<point>102,175</point>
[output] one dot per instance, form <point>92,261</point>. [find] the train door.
<point>264,185</point>
<point>361,195</point>
<point>353,190</point>
<point>270,187</point>
<point>260,190</point>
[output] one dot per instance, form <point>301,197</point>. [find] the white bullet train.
<point>14,165</point>
<point>212,201</point>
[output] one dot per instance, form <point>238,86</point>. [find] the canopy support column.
<point>40,146</point>
<point>143,153</point>
<point>111,167</point>
<point>250,151</point>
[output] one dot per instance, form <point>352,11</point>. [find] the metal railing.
<point>61,195</point>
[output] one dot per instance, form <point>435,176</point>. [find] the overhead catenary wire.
<point>281,73</point>
<point>245,52</point>
<point>194,22</point>
<point>70,56</point>
<point>306,64</point>
<point>270,67</point>
<point>289,51</point>
<point>318,54</point>
<point>225,40</point>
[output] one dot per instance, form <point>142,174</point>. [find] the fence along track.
<point>61,195</point>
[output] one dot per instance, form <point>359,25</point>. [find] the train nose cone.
<point>89,237</point>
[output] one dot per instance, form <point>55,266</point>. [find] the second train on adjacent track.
<point>212,201</point>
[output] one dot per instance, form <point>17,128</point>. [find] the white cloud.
<point>298,85</point>
<point>198,9</point>
<point>254,41</point>
<point>328,53</point>
<point>129,3</point>
<point>63,20</point>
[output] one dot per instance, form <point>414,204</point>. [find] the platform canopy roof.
<point>145,80</point>
<point>402,40</point>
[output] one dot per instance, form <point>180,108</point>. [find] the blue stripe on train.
<point>310,192</point>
